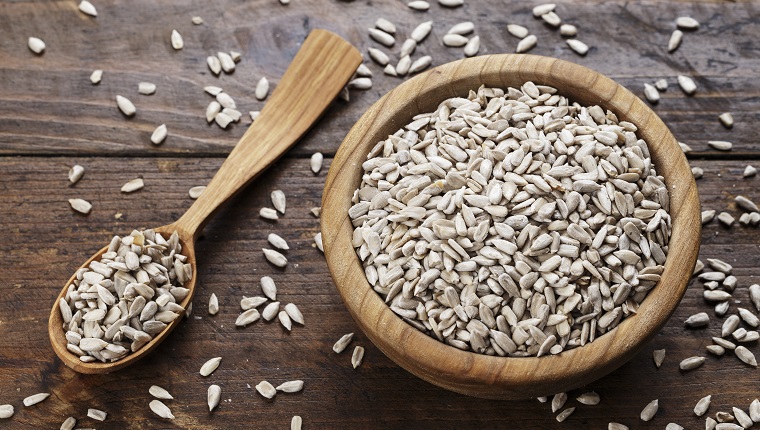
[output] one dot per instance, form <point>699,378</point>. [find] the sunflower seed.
<point>691,363</point>
<point>470,49</point>
<point>651,93</point>
<point>270,311</point>
<point>214,64</point>
<point>316,162</point>
<point>543,9</point>
<point>462,28</point>
<point>318,241</point>
<point>269,288</point>
<point>381,37</point>
<point>357,356</point>
<point>675,40</point>
<point>526,44</point>
<point>213,304</point>
<point>746,204</point>
<point>403,66</point>
<point>146,88</point>
<point>420,5</point>
<point>294,313</point>
<point>687,23</point>
<point>196,192</point>
<point>277,241</point>
<point>590,398</point>
<point>268,213</point>
<point>724,417</point>
<point>562,416</point>
<point>558,401</point>
<point>252,302</point>
<point>754,410</point>
<point>451,3</point>
<point>159,408</point>
<point>715,350</point>
<point>517,31</point>
<point>697,320</point>
<point>296,422</point>
<point>68,423</point>
<point>75,173</point>
<point>210,366</point>
<point>227,63</point>
<point>385,25</point>
<point>659,356</point>
<point>745,355</point>
<point>552,19</point>
<point>673,426</point>
<point>342,343</point>
<point>159,134</point>
<point>285,321</point>
<point>262,88</point>
<point>421,31</point>
<point>726,119</point>
<point>197,20</point>
<point>159,393</point>
<point>749,318</point>
<point>616,426</point>
<point>360,83</point>
<point>290,386</point>
<point>378,56</point>
<point>649,410</point>
<point>702,405</point>
<point>125,106</point>
<point>754,295</point>
<point>454,40</point>
<point>36,45</point>
<point>232,113</point>
<point>87,8</point>
<point>567,30</point>
<point>6,411</point>
<point>213,396</point>
<point>420,64</point>
<point>212,110</point>
<point>177,42</point>
<point>710,423</point>
<point>35,398</point>
<point>96,76</point>
<point>96,414</point>
<point>744,420</point>
<point>133,185</point>
<point>687,85</point>
<point>248,317</point>
<point>81,206</point>
<point>266,389</point>
<point>726,219</point>
<point>275,257</point>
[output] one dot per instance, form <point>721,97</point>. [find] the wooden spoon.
<point>319,71</point>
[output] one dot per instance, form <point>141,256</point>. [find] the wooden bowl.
<point>491,376</point>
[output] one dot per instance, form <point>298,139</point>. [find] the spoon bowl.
<point>317,74</point>
<point>492,376</point>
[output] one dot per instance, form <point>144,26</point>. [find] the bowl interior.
<point>477,374</point>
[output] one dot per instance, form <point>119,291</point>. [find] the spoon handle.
<point>318,72</point>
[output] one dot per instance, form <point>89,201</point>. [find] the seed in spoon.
<point>210,366</point>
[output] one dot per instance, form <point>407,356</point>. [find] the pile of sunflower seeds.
<point>512,222</point>
<point>122,300</point>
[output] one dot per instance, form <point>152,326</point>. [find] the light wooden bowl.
<point>501,377</point>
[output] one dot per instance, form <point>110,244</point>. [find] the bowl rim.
<point>493,376</point>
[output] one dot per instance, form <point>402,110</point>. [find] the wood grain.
<point>52,117</point>
<point>476,374</point>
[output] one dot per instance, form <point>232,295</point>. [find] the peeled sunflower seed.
<point>651,93</point>
<point>552,19</point>
<point>385,25</point>
<point>616,426</point>
<point>408,47</point>
<point>294,313</point>
<point>213,304</point>
<point>133,185</point>
<point>673,426</point>
<point>558,401</point>
<point>421,64</point>
<point>268,287</point>
<point>96,76</point>
<point>403,66</point>
<point>270,311</point>
<point>266,389</point>
<point>451,3</point>
<point>562,416</point>
<point>223,120</point>
<point>568,30</point>
<point>462,28</point>
<point>378,56</point>
<point>196,192</point>
<point>284,319</point>
<point>214,64</point>
<point>526,44</point>
<point>517,31</point>
<point>213,396</point>
<point>96,414</point>
<point>275,257</point>
<point>36,45</point>
<point>87,8</point>
<point>698,320</point>
<point>746,356</point>
<point>726,119</point>
<point>420,5</point>
<point>470,49</point>
<point>691,363</point>
<point>360,83</point>
<point>543,9</point>
<point>262,89</point>
<point>421,31</point>
<point>590,398</point>
<point>159,393</point>
<point>278,201</point>
<point>357,356</point>
<point>80,205</point>
<point>6,411</point>
<point>649,410</point>
<point>68,423</point>
<point>177,42</point>
<point>277,241</point>
<point>125,106</point>
<point>675,40</point>
<point>742,418</point>
<point>381,37</point>
<point>754,410</point>
<point>210,366</point>
<point>687,85</point>
<point>75,173</point>
<point>225,100</point>
<point>342,343</point>
<point>251,302</point>
<point>197,20</point>
<point>576,45</point>
<point>746,204</point>
<point>159,408</point>
<point>213,110</point>
<point>248,317</point>
<point>296,423</point>
<point>318,241</point>
<point>659,356</point>
<point>146,88</point>
<point>159,134</point>
<point>35,398</point>
<point>316,162</point>
<point>702,405</point>
<point>454,40</point>
<point>687,23</point>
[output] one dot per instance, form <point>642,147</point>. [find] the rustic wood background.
<point>51,117</point>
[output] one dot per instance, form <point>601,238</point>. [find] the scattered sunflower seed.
<point>318,242</point>
<point>36,45</point>
<point>378,56</point>
<point>470,49</point>
<point>552,19</point>
<point>403,66</point>
<point>125,106</point>
<point>269,288</point>
<point>270,311</point>
<point>212,111</point>
<point>381,37</point>
<point>745,355</point>
<point>252,302</point>
<point>284,319</point>
<point>616,426</point>
<point>177,42</point>
<point>360,83</point>
<point>702,405</point>
<point>6,411</point>
<point>562,416</point>
<point>710,423</point>
<point>749,171</point>
<point>754,410</point>
<point>651,93</point>
<point>275,257</point>
<point>726,119</point>
<point>87,8</point>
<point>687,23</point>
<point>214,64</point>
<point>213,395</point>
<point>75,173</point>
<point>236,56</point>
<point>266,389</point>
<point>754,295</point>
<point>543,9</point>
<point>213,304</point>
<point>422,63</point>
<point>661,85</point>
<point>724,417</point>
<point>649,410</point>
<point>294,313</point>
<point>684,147</point>
<point>675,40</point>
<point>659,356</point>
<point>744,420</point>
<point>451,3</point>
<point>746,204</point>
<point>454,40</point>
<point>197,20</point>
<point>248,317</point>
<point>159,408</point>
<point>254,115</point>
<point>526,44</point>
<point>462,28</point>
<point>698,320</point>
<point>517,31</point>
<point>673,426</point>
<point>159,134</point>
<point>96,76</point>
<point>364,71</point>
<point>296,422</point>
<point>133,185</point>
<point>225,100</point>
<point>357,356</point>
<point>35,398</point>
<point>687,85</point>
<point>726,219</point>
<point>146,88</point>
<point>159,393</point>
<point>68,423</point>
<point>590,398</point>
<point>558,400</point>
<point>691,363</point>
<point>342,343</point>
<point>196,192</point>
<point>316,162</point>
<point>262,88</point>
<point>80,205</point>
<point>708,216</point>
<point>277,241</point>
<point>210,366</point>
<point>697,172</point>
<point>715,350</point>
<point>385,25</point>
<point>421,31</point>
<point>567,30</point>
<point>268,213</point>
<point>420,5</point>
<point>290,386</point>
<point>96,414</point>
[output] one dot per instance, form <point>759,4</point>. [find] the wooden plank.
<point>45,240</point>
<point>48,106</point>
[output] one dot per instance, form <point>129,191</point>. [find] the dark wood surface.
<point>51,117</point>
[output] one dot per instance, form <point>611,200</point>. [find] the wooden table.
<point>52,117</point>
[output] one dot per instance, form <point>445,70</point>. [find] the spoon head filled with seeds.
<point>127,298</point>
<point>496,225</point>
